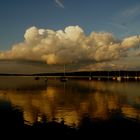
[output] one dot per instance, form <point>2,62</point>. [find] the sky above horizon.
<point>108,28</point>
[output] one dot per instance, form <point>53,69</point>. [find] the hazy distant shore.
<point>90,75</point>
<point>83,73</point>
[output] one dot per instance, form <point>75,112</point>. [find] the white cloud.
<point>131,11</point>
<point>126,20</point>
<point>59,3</point>
<point>70,46</point>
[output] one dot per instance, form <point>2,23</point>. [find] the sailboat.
<point>119,77</point>
<point>64,78</point>
<point>90,76</point>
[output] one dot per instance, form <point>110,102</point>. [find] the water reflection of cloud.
<point>130,112</point>
<point>96,100</point>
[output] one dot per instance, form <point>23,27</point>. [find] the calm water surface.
<point>70,101</point>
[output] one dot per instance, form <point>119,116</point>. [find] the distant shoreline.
<point>81,73</point>
<point>91,75</point>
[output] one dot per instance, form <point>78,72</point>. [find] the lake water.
<point>70,102</point>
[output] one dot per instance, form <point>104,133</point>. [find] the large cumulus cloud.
<point>70,45</point>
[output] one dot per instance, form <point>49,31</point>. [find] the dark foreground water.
<point>74,108</point>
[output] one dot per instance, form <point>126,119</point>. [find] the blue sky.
<point>120,17</point>
<point>21,21</point>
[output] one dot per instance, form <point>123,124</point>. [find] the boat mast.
<point>64,69</point>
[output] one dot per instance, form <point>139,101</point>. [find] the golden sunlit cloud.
<point>70,45</point>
